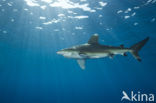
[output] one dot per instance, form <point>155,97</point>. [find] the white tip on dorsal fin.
<point>93,39</point>
<point>81,63</point>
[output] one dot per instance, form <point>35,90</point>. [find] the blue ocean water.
<point>32,31</point>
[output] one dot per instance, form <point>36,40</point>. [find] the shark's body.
<point>93,50</point>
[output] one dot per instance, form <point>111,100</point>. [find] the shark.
<point>94,50</point>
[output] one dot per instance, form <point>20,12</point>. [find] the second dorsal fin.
<point>93,39</point>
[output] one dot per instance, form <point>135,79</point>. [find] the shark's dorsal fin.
<point>93,39</point>
<point>81,62</point>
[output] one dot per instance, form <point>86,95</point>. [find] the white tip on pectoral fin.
<point>81,63</point>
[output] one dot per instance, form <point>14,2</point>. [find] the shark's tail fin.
<point>136,47</point>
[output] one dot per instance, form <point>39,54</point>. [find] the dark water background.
<point>32,72</point>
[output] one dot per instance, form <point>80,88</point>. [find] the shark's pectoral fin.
<point>81,63</point>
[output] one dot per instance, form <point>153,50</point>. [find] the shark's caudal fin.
<point>136,47</point>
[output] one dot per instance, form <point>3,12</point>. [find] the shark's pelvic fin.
<point>81,63</point>
<point>136,47</point>
<point>93,39</point>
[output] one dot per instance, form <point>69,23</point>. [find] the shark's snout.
<point>60,52</point>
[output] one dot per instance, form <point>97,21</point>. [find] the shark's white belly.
<point>74,55</point>
<point>108,53</point>
<point>77,55</point>
<point>119,51</point>
<point>97,55</point>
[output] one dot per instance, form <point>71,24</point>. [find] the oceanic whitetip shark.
<point>94,50</point>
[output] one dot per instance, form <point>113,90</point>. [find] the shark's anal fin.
<point>93,39</point>
<point>81,63</point>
